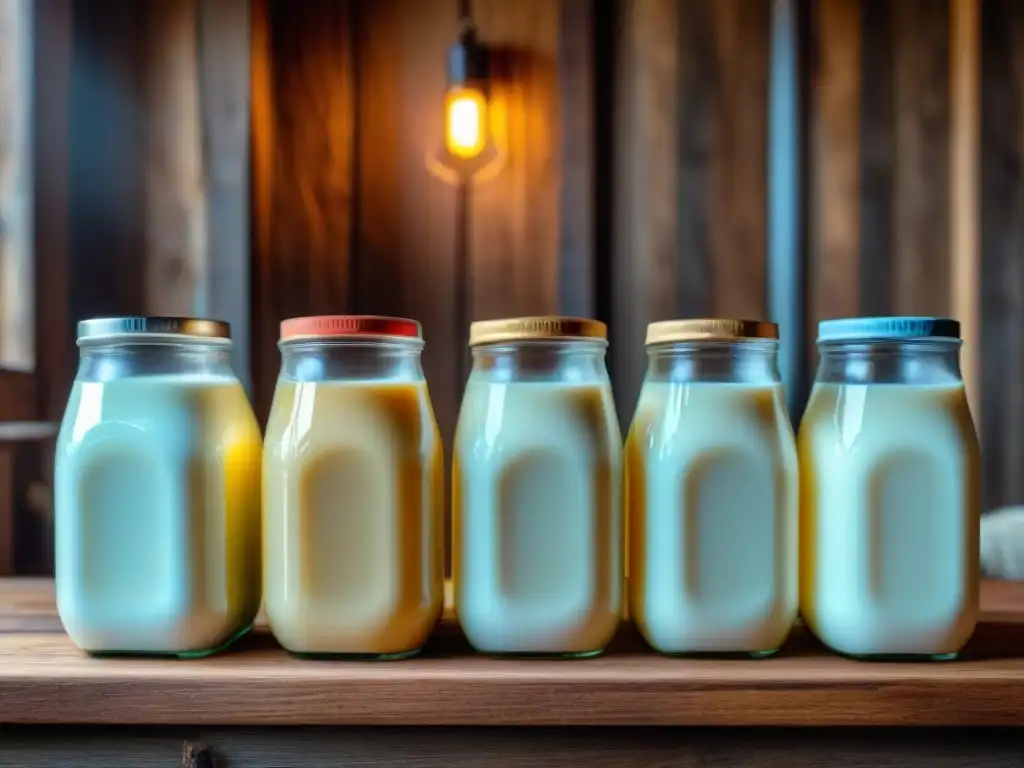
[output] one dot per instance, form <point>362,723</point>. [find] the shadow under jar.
<point>711,478</point>
<point>157,504</point>
<point>537,552</point>
<point>890,497</point>
<point>353,491</point>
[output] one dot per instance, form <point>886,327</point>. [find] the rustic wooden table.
<point>256,706</point>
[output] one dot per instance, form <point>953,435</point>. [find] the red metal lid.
<point>349,325</point>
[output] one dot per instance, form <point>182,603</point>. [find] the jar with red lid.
<point>353,491</point>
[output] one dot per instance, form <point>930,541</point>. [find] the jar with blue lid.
<point>890,491</point>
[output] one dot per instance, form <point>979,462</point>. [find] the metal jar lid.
<point>887,329</point>
<point>332,326</point>
<point>103,328</point>
<point>709,329</point>
<point>545,327</point>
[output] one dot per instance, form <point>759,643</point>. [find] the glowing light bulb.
<point>465,122</point>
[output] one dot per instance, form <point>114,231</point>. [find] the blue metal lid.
<point>881,328</point>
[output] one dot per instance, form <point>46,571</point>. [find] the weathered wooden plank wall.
<point>1002,249</point>
<point>691,182</point>
<point>347,109</point>
<point>880,125</point>
<point>638,183</point>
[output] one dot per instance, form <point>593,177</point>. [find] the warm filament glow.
<point>465,122</point>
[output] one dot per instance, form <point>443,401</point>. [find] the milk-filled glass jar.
<point>711,478</point>
<point>353,489</point>
<point>537,551</point>
<point>889,496</point>
<point>157,501</point>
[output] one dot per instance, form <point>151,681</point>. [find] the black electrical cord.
<point>461,245</point>
<point>462,280</point>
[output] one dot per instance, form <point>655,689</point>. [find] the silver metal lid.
<point>194,327</point>
<point>888,328</point>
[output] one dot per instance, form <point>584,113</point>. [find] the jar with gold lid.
<point>711,478</point>
<point>537,459</point>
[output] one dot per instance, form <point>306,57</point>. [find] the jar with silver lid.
<point>157,491</point>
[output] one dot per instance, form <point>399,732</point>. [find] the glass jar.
<point>353,491</point>
<point>711,479</point>
<point>157,502</point>
<point>890,494</point>
<point>537,552</point>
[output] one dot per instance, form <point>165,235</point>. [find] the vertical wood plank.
<point>303,132</point>
<point>921,284</point>
<point>223,41</point>
<point>965,189</point>
<point>723,133</point>
<point>514,221</point>
<point>576,72</point>
<point>175,224</point>
<point>691,180</point>
<point>833,274</point>
<point>16,263</point>
<point>1002,246</point>
<point>56,355</point>
<point>785,256</point>
<point>107,192</point>
<point>646,186</point>
<point>879,123</point>
<point>404,262</point>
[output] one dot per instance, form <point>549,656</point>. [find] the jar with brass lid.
<point>711,488</point>
<point>156,491</point>
<point>537,551</point>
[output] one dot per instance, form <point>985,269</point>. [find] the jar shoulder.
<point>514,416</point>
<point>307,418</point>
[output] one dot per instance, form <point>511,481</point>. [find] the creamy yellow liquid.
<point>157,514</point>
<point>353,504</point>
<point>889,518</point>
<point>711,476</point>
<point>537,553</point>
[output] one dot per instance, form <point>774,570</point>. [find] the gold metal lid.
<point>535,328</point>
<point>710,329</point>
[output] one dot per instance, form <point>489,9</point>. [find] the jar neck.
<point>923,362</point>
<point>110,360</point>
<point>568,361</point>
<point>743,361</point>
<point>352,358</point>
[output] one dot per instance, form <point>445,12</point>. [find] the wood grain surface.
<point>106,747</point>
<point>43,679</point>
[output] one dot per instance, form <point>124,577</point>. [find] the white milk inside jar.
<point>711,478</point>
<point>890,492</point>
<point>537,460</point>
<point>157,491</point>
